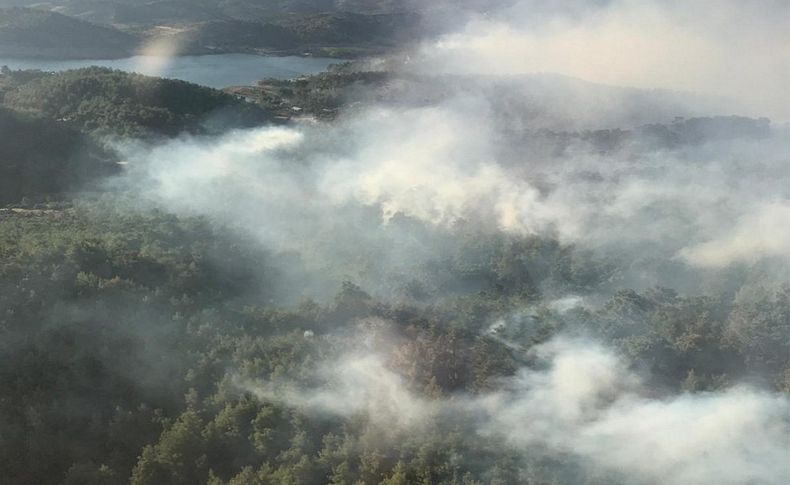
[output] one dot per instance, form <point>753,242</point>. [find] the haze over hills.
<point>173,10</point>
<point>534,101</point>
<point>54,127</point>
<point>320,34</point>
<point>48,34</point>
<point>547,246</point>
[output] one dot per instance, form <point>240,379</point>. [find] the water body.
<point>217,71</point>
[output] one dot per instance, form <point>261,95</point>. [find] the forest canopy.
<point>110,102</point>
<point>456,262</point>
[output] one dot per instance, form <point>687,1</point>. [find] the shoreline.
<point>339,53</point>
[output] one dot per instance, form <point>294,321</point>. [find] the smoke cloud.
<point>674,203</point>
<point>330,192</point>
<point>579,399</point>
<point>758,233</point>
<point>728,49</point>
<point>587,403</point>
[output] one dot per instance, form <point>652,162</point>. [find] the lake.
<point>217,71</point>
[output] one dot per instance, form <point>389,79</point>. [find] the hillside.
<point>237,36</point>
<point>162,336</point>
<point>184,11</point>
<point>352,29</point>
<point>108,102</point>
<point>34,33</point>
<point>447,264</point>
<point>51,124</point>
<point>120,29</point>
<point>324,34</point>
<point>167,12</point>
<point>40,157</point>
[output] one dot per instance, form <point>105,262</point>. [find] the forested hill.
<point>36,33</point>
<point>40,157</point>
<point>108,102</point>
<point>52,125</point>
<point>325,34</point>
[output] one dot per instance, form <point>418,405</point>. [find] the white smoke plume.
<point>334,193</point>
<point>580,400</point>
<point>447,164</point>
<point>736,50</point>
<point>468,154</point>
<point>762,232</point>
<point>357,384</point>
<point>588,404</point>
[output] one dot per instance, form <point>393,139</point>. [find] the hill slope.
<point>104,101</point>
<point>34,33</point>
<point>40,157</point>
<point>197,28</point>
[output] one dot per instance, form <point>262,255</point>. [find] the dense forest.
<point>42,158</point>
<point>126,336</point>
<point>109,102</point>
<point>383,273</point>
<point>58,129</point>
<point>147,344</point>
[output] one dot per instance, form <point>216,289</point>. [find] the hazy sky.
<point>735,49</point>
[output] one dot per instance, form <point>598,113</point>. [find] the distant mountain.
<point>353,29</point>
<point>153,12</point>
<point>171,12</point>
<point>324,28</point>
<point>33,33</point>
<point>236,36</point>
<point>323,34</point>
